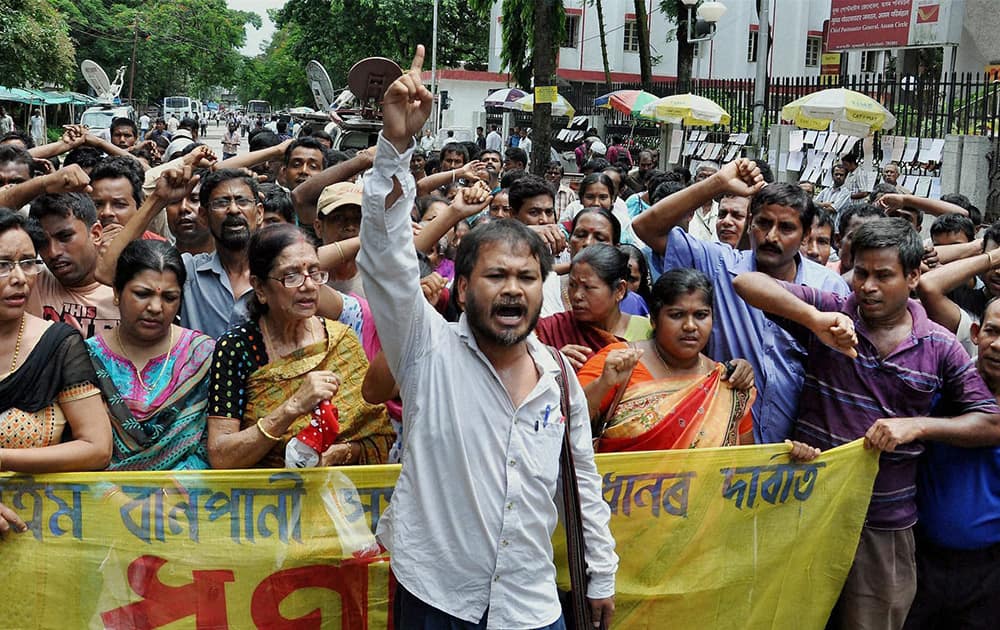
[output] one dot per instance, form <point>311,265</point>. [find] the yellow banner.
<point>547,94</point>
<point>714,538</point>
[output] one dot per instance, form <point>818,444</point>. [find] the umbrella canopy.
<point>628,102</point>
<point>816,110</point>
<point>687,109</point>
<point>500,98</point>
<point>527,103</point>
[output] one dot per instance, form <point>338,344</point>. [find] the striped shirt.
<point>842,398</point>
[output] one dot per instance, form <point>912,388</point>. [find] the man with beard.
<point>495,569</point>
<point>781,216</point>
<point>231,207</point>
<point>493,162</point>
<point>67,290</point>
<point>304,158</point>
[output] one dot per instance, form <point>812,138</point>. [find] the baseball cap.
<point>336,195</point>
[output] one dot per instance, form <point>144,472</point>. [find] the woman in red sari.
<point>663,393</point>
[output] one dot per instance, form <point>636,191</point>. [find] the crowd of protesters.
<point>164,308</point>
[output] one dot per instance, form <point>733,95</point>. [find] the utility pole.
<point>760,83</point>
<point>436,109</point>
<point>135,44</point>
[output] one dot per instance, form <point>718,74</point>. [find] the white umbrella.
<point>526,103</point>
<point>501,98</point>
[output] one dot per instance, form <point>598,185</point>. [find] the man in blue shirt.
<point>781,217</point>
<point>958,535</point>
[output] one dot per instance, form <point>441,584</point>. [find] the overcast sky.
<point>255,38</point>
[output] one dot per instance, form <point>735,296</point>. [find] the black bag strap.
<point>572,518</point>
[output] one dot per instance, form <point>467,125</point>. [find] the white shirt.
<point>702,225</point>
<point>172,123</point>
<point>427,143</point>
<point>144,122</point>
<point>471,519</point>
<point>494,141</point>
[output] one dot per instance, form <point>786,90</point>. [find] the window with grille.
<point>631,36</point>
<point>814,45</point>
<point>572,31</point>
<point>752,46</point>
<point>870,61</point>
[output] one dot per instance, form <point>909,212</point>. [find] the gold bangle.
<point>340,250</point>
<point>264,432</point>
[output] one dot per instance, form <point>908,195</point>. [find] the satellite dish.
<point>370,78</point>
<point>97,78</point>
<point>319,83</point>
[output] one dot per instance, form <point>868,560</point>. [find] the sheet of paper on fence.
<point>887,144</point>
<point>810,137</point>
<point>744,138</point>
<point>697,531</point>
<point>794,161</point>
<point>867,148</point>
<point>923,188</point>
<point>829,160</point>
<point>831,142</point>
<point>935,192</point>
<point>675,153</point>
<point>827,177</point>
<point>733,152</point>
<point>912,146</point>
<point>838,148</point>
<point>782,161</point>
<point>910,182</point>
<point>795,140</point>
<point>689,148</point>
<point>925,150</point>
<point>936,150</point>
<point>898,145</point>
<point>821,140</point>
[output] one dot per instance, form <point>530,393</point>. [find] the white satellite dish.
<point>319,84</point>
<point>97,78</point>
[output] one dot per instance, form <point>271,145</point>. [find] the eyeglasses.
<point>296,279</point>
<point>223,203</point>
<point>29,267</point>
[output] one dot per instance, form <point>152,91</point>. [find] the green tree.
<point>36,46</point>
<point>339,33</point>
<point>181,46</point>
<point>276,75</point>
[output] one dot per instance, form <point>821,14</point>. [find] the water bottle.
<point>303,450</point>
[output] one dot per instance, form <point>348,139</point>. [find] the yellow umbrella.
<point>687,109</point>
<point>561,107</point>
<point>816,110</point>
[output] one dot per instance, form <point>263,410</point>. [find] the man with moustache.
<point>781,216</point>
<point>879,369</point>
<point>231,207</point>
<point>472,516</point>
<point>494,164</point>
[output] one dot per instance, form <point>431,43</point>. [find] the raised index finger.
<point>418,59</point>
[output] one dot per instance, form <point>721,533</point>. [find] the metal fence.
<point>963,103</point>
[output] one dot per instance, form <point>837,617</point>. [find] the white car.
<point>99,118</point>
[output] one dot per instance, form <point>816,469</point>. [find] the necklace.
<point>138,373</point>
<point>17,345</point>
<point>663,361</point>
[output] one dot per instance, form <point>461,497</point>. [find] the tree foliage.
<point>36,46</point>
<point>338,33</point>
<point>182,46</point>
<point>518,32</point>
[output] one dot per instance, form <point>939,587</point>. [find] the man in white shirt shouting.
<point>470,524</point>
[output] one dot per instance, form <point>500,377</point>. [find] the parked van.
<point>99,118</point>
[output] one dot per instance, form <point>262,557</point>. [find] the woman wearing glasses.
<point>46,379</point>
<point>269,374</point>
<point>154,374</point>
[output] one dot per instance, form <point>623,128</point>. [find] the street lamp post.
<point>702,29</point>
